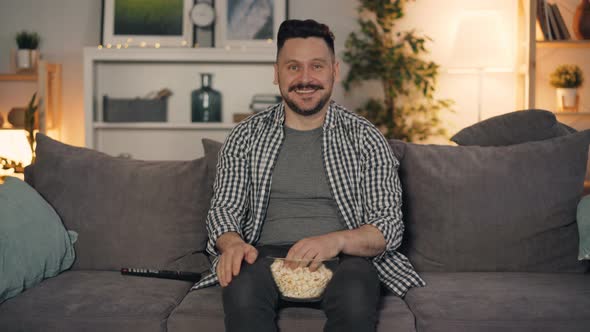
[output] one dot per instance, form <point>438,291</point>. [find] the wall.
<point>66,26</point>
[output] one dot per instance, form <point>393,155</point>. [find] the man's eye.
<point>293,67</point>
<point>317,67</point>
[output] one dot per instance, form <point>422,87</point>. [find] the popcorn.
<point>301,282</point>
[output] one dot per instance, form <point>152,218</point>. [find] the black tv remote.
<point>164,274</point>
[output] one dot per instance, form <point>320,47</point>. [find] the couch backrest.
<point>128,213</point>
<point>512,208</point>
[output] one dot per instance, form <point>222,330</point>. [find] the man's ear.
<point>276,79</point>
<point>336,71</point>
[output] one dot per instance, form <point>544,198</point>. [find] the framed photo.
<point>147,23</point>
<point>248,23</point>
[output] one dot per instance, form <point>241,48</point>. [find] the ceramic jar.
<point>581,24</point>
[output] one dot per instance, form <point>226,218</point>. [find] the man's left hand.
<point>316,249</point>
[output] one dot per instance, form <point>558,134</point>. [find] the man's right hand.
<point>233,251</point>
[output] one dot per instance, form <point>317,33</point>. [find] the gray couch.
<point>490,226</point>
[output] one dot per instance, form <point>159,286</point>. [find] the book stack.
<point>261,102</point>
<point>550,22</point>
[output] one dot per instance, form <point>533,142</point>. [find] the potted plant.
<point>567,79</point>
<point>397,59</point>
<point>27,53</point>
<point>30,124</point>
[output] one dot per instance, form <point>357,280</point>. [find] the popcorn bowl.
<point>295,280</point>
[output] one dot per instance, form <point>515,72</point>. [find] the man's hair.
<point>304,29</point>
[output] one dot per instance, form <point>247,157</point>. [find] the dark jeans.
<point>350,300</point>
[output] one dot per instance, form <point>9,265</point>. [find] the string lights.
<point>183,44</point>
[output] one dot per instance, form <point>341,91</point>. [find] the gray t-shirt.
<point>301,204</point>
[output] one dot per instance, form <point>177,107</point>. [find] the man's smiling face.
<point>305,72</point>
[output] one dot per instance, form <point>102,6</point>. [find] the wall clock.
<point>202,14</point>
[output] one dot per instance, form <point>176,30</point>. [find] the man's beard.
<point>310,111</point>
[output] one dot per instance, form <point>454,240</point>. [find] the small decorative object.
<point>239,117</point>
<point>248,23</point>
<point>206,102</point>
<point>261,102</point>
<point>151,23</point>
<point>27,54</point>
<point>6,163</point>
<point>581,23</point>
<point>16,117</point>
<point>567,79</point>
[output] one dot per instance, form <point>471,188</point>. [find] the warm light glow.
<point>269,41</point>
<point>157,45</point>
<point>142,44</point>
<point>129,40</point>
<point>15,146</point>
<point>481,46</point>
<point>482,41</point>
<point>118,46</point>
<point>184,43</point>
<point>100,47</point>
<point>109,45</point>
<point>126,45</point>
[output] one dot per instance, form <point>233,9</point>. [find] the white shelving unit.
<point>48,88</point>
<point>127,73</point>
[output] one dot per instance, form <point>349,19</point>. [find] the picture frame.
<point>152,23</point>
<point>248,23</point>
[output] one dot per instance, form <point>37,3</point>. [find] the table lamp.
<point>481,46</point>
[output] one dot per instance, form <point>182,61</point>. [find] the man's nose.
<point>305,74</point>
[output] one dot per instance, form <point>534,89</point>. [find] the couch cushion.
<point>507,208</point>
<point>34,244</point>
<point>93,301</point>
<point>203,308</point>
<point>128,213</point>
<point>512,128</point>
<point>501,302</point>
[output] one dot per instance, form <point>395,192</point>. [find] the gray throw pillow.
<point>34,245</point>
<point>507,208</point>
<point>513,128</point>
<point>128,213</point>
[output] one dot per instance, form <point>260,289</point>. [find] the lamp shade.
<point>481,41</point>
<point>14,145</point>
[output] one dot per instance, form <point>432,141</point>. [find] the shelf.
<point>133,71</point>
<point>164,125</point>
<point>188,55</point>
<point>572,113</point>
<point>18,77</point>
<point>564,44</point>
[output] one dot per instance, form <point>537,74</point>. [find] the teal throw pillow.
<point>583,218</point>
<point>34,245</point>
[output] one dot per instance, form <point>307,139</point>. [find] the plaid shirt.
<point>361,170</point>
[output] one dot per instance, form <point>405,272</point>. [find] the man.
<point>309,180</point>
